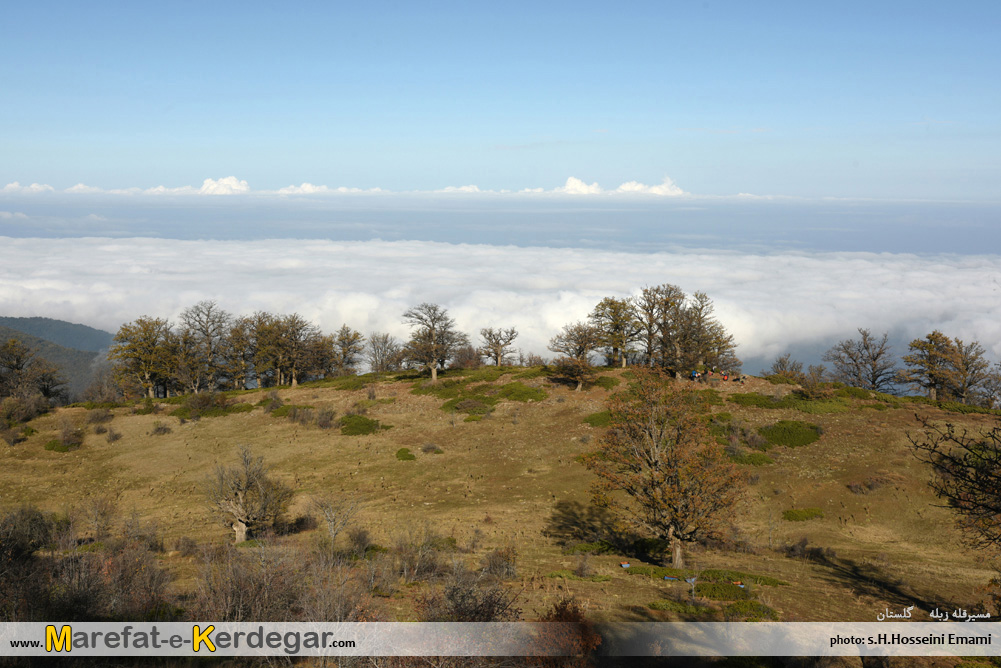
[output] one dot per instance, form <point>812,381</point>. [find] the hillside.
<point>61,333</point>
<point>495,464</point>
<point>75,366</point>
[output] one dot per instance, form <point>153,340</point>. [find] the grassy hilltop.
<point>838,524</point>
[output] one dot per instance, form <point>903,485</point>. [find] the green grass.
<point>518,391</point>
<point>532,372</point>
<point>752,459</point>
<point>720,591</point>
<point>607,382</point>
<point>668,605</point>
<point>567,574</point>
<point>283,411</point>
<point>187,413</point>
<point>811,406</point>
<point>802,514</point>
<point>404,455</point>
<point>853,393</point>
<point>55,445</point>
<point>791,433</point>
<point>711,397</point>
<point>749,611</point>
<point>600,419</point>
<point>359,425</point>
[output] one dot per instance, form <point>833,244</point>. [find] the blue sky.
<point>893,101</point>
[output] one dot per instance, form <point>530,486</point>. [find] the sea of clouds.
<point>772,302</point>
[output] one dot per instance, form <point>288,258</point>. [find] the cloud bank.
<point>231,185</point>
<point>771,302</point>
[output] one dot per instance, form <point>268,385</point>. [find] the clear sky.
<point>887,100</point>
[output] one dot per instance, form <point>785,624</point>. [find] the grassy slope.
<point>501,477</point>
<point>61,333</point>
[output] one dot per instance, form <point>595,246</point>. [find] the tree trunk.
<point>240,529</point>
<point>434,374</point>
<point>623,359</point>
<point>677,556</point>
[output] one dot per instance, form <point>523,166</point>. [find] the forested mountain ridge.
<point>61,332</point>
<point>75,366</point>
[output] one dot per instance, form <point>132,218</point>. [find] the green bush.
<point>791,433</point>
<point>404,455</point>
<point>359,425</point>
<point>749,611</point>
<point>601,419</point>
<point>720,591</point>
<point>754,400</point>
<point>802,514</point>
<point>811,406</point>
<point>518,391</point>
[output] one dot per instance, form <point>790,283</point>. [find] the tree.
<point>575,344</point>
<point>24,373</point>
<point>383,352</point>
<point>968,477</point>
<point>619,327</point>
<point>679,483</point>
<point>348,348</point>
<point>246,496</point>
<point>866,362</point>
<point>497,344</point>
<point>206,327</point>
<point>786,367</point>
<point>948,369</point>
<point>434,338</point>
<point>142,353</point>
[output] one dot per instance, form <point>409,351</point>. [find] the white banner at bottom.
<point>498,639</point>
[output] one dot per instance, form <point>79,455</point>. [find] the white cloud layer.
<point>231,185</point>
<point>771,302</point>
<point>12,215</point>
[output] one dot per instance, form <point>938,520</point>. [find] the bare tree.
<point>246,496</point>
<point>786,367</point>
<point>574,345</point>
<point>348,348</point>
<point>383,352</point>
<point>207,326</point>
<point>497,344</point>
<point>434,338</point>
<point>866,362</point>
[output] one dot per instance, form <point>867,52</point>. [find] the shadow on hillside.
<point>590,528</point>
<point>870,580</point>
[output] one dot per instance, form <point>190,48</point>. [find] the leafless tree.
<point>497,344</point>
<point>246,496</point>
<point>865,362</point>
<point>383,352</point>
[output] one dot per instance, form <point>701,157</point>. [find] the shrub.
<point>100,429</point>
<point>160,429</point>
<point>148,407</point>
<point>791,433</point>
<point>404,455</point>
<point>802,550</point>
<point>853,393</point>
<point>22,531</point>
<point>325,418</point>
<point>501,562</point>
<point>186,546</point>
<point>112,435</point>
<point>463,600</point>
<point>711,397</point>
<point>99,416</point>
<point>431,448</point>
<point>21,409</point>
<point>802,514</point>
<point>359,425</point>
<point>55,445</point>
<point>289,411</point>
<point>418,554</point>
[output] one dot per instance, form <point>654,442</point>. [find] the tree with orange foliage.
<point>678,482</point>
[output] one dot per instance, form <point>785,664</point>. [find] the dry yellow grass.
<point>498,479</point>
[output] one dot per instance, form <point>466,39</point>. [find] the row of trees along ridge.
<point>211,349</point>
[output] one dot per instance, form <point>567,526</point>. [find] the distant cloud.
<point>16,187</point>
<point>12,215</point>
<point>575,186</point>
<point>231,185</point>
<point>771,302</point>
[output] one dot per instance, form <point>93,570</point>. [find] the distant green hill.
<point>75,366</point>
<point>62,333</point>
